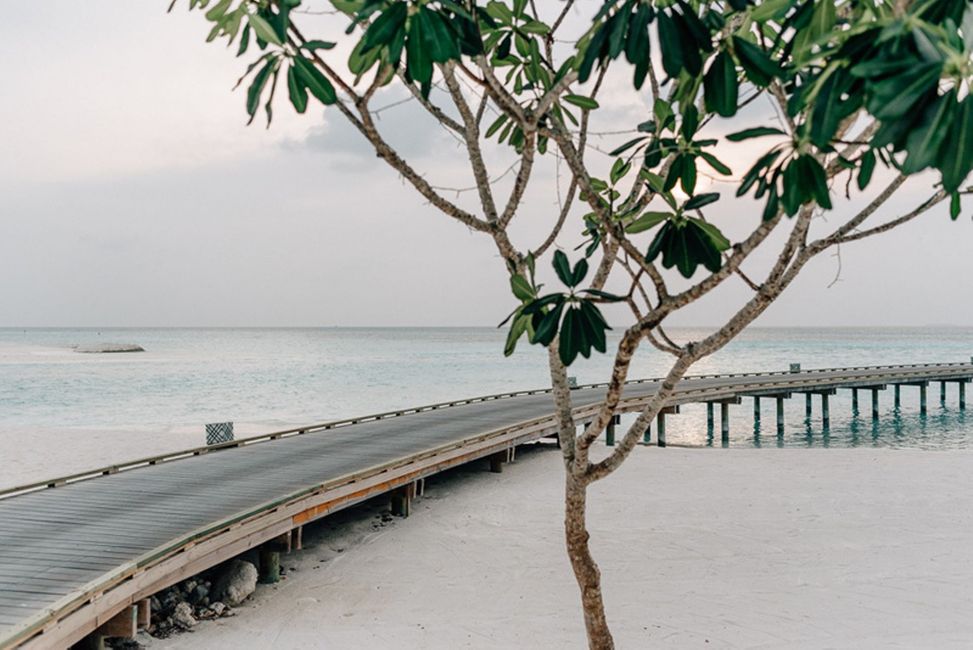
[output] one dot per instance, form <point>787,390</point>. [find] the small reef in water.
<point>107,348</point>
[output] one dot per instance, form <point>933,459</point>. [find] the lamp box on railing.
<point>572,382</point>
<point>795,367</point>
<point>219,432</point>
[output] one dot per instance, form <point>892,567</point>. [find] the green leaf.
<point>647,221</point>
<point>315,81</point>
<point>257,87</point>
<point>263,30</point>
<point>520,287</point>
<point>517,329</point>
<point>669,42</point>
<point>418,60</point>
<point>893,97</point>
<point>866,169</point>
<point>547,328</point>
<point>570,337</point>
<point>296,90</point>
<point>755,132</point>
<point>580,270</point>
<point>700,200</point>
<point>759,68</point>
<point>619,169</point>
<point>923,142</point>
<point>586,103</point>
<point>315,45</point>
<point>563,268</point>
<point>956,158</point>
<point>715,163</point>
<point>813,173</point>
<point>954,206</point>
<point>720,86</point>
<point>384,28</point>
<point>625,147</point>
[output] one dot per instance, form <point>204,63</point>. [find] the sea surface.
<point>264,379</point>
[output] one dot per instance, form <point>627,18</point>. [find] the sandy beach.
<point>812,548</point>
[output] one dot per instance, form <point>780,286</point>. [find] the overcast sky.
<point>132,193</point>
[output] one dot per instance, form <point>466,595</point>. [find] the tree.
<point>859,86</point>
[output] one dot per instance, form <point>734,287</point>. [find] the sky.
<point>132,193</point>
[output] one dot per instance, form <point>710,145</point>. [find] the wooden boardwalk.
<point>77,552</point>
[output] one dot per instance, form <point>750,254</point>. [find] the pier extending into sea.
<point>81,555</point>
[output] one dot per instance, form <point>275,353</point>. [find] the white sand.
<point>808,548</point>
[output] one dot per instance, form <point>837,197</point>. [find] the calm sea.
<point>274,378</point>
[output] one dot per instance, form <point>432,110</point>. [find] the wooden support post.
<point>709,416</point>
<point>780,415</point>
<point>402,499</point>
<point>123,625</point>
<point>269,560</point>
<point>610,433</point>
<point>874,403</point>
<point>420,487</point>
<point>647,435</point>
<point>922,399</point>
<point>660,421</point>
<point>825,411</point>
<point>496,462</point>
<point>942,392</point>
<point>807,405</point>
<point>962,395</point>
<point>756,409</point>
<point>854,401</point>
<point>898,397</point>
<point>725,423</point>
<point>144,612</point>
<point>94,641</point>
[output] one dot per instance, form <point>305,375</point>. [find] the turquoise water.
<point>268,378</point>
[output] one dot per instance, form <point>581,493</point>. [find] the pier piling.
<point>807,405</point>
<point>756,409</point>
<point>725,423</point>
<point>922,399</point>
<point>874,403</point>
<point>825,410</point>
<point>660,425</point>
<point>898,397</point>
<point>780,415</point>
<point>854,401</point>
<point>962,395</point>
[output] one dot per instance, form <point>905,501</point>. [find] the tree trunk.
<point>586,570</point>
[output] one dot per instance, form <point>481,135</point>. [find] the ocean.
<point>263,379</point>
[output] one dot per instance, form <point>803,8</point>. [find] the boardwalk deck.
<point>72,556</point>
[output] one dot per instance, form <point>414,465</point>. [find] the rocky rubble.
<point>211,594</point>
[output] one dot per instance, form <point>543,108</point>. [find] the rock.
<point>217,608</point>
<point>198,594</point>
<point>237,581</point>
<point>182,616</point>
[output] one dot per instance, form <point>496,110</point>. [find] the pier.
<point>80,555</point>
